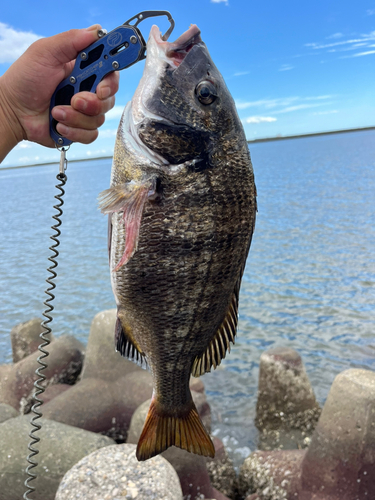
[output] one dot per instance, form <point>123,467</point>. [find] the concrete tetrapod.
<point>340,461</point>
<point>287,410</point>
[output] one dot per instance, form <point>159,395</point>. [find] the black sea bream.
<point>182,206</point>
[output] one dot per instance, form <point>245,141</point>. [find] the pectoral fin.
<point>129,199</point>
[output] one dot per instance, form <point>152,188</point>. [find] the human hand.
<point>28,85</point>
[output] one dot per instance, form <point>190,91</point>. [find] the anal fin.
<point>163,430</point>
<point>126,344</point>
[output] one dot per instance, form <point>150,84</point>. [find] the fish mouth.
<point>175,52</point>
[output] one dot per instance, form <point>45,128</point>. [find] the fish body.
<point>181,207</point>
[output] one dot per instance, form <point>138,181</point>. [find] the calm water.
<point>309,281</point>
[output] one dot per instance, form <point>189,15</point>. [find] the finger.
<point>65,46</point>
<point>72,118</point>
<point>108,86</point>
<point>90,104</point>
<point>77,134</point>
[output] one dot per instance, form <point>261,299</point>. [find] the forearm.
<point>10,129</point>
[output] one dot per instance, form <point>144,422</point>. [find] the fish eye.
<point>206,92</point>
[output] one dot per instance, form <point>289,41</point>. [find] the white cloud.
<point>318,98</point>
<point>220,1</point>
<point>276,103</point>
<point>98,152</point>
<point>370,12</point>
<point>241,73</point>
<point>286,67</point>
<point>24,145</point>
<point>363,53</point>
<point>107,133</point>
<point>24,159</point>
<point>259,119</point>
<point>13,43</point>
<point>298,107</point>
<point>325,112</point>
<point>363,40</point>
<point>266,103</point>
<point>335,35</point>
<point>115,113</point>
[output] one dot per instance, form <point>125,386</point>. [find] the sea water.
<point>309,282</point>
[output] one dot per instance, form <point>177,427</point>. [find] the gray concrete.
<point>101,360</point>
<point>64,364</point>
<point>25,338</point>
<point>221,471</point>
<point>287,410</point>
<point>341,458</point>
<point>100,405</point>
<point>61,446</point>
<point>114,472</point>
<point>7,412</point>
<point>272,475</point>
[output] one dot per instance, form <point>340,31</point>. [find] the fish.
<point>181,207</point>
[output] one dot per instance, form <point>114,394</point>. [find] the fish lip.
<point>175,52</point>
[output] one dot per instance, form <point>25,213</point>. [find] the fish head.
<point>182,105</point>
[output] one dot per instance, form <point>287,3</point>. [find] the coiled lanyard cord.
<point>39,389</point>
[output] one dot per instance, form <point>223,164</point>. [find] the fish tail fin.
<point>185,431</point>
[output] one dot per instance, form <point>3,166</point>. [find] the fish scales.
<point>182,208</point>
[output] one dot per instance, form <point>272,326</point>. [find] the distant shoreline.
<point>56,162</point>
<point>301,136</point>
<point>250,141</point>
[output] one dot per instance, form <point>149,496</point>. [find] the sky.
<point>292,67</point>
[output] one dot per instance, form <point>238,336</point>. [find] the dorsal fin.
<point>126,345</point>
<point>220,343</point>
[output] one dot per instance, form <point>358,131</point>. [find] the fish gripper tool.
<point>114,51</point>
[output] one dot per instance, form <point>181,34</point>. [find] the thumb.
<point>65,46</point>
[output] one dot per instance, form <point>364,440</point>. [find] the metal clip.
<point>63,160</point>
<point>152,13</point>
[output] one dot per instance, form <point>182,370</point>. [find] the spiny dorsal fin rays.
<point>220,343</point>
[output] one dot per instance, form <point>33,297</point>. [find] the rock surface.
<point>64,364</point>
<point>341,458</point>
<point>221,471</point>
<point>287,410</point>
<point>271,475</point>
<point>25,338</point>
<point>192,471</point>
<point>101,360</point>
<point>61,446</point>
<point>54,390</point>
<point>137,422</point>
<point>114,472</point>
<point>7,412</point>
<point>340,461</point>
<point>101,405</point>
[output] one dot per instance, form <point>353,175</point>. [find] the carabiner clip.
<point>153,13</point>
<point>63,160</point>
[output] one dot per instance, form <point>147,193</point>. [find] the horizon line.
<point>249,141</point>
<point>312,134</point>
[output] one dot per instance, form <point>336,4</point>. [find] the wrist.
<point>11,132</point>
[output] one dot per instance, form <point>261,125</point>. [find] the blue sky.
<point>293,67</point>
